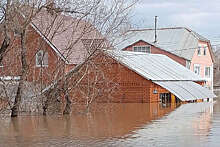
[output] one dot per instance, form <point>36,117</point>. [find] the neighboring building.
<point>180,44</point>
<point>148,78</point>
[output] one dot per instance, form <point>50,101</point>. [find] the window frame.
<point>188,64</point>
<point>199,51</point>
<point>197,65</point>
<point>204,51</point>
<point>43,56</point>
<point>16,32</point>
<point>209,72</point>
<point>145,46</point>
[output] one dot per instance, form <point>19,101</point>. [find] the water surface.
<point>194,124</point>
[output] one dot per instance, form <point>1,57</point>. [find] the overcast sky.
<point>202,16</point>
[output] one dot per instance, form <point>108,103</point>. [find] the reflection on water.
<point>194,124</point>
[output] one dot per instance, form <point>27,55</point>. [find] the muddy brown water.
<point>194,124</point>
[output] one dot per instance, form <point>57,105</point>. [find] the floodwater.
<point>193,124</point>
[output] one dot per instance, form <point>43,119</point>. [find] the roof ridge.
<point>137,53</point>
<point>163,28</point>
<point>195,34</point>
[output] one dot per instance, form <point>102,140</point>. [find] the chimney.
<point>155,29</point>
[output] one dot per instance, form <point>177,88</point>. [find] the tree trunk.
<point>51,98</point>
<point>67,109</point>
<point>46,104</point>
<point>45,107</point>
<point>15,108</point>
<point>3,48</point>
<point>6,41</point>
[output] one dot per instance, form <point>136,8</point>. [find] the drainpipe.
<point>212,77</point>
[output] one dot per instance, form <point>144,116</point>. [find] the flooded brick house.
<point>152,78</point>
<point>180,44</point>
<point>141,77</point>
<point>55,44</point>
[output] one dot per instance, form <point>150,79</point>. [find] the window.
<point>16,32</point>
<point>145,49</point>
<point>207,72</point>
<point>188,64</point>
<point>41,59</point>
<point>199,50</point>
<point>204,51</point>
<point>197,69</point>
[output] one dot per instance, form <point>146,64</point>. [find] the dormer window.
<point>144,49</point>
<point>41,59</point>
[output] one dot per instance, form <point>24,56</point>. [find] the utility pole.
<point>155,29</point>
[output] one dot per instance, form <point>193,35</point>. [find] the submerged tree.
<point>76,31</point>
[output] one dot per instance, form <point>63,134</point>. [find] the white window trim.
<point>142,46</point>
<point>188,61</point>
<point>209,71</point>
<point>199,68</point>
<point>42,65</point>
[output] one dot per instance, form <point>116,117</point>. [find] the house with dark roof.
<point>180,44</point>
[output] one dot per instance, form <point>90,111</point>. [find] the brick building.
<point>149,78</point>
<point>54,51</point>
<point>55,43</point>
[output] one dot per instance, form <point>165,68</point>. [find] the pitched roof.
<point>179,41</point>
<point>164,72</point>
<point>155,67</point>
<point>65,33</point>
<point>186,90</point>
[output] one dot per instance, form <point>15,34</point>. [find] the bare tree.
<point>93,24</point>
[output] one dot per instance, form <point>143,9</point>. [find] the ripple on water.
<point>194,124</point>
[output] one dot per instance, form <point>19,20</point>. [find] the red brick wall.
<point>135,88</point>
<point>34,42</point>
<point>155,50</point>
<point>131,87</point>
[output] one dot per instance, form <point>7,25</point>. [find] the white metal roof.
<point>179,41</point>
<point>155,67</point>
<point>165,72</point>
<point>186,90</point>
